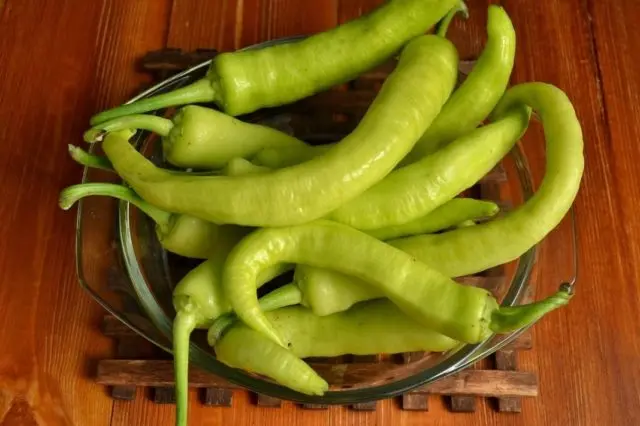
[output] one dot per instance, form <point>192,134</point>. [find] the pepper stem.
<point>200,91</point>
<point>287,295</point>
<point>183,324</point>
<point>444,23</point>
<point>159,125</point>
<point>70,195</point>
<point>82,157</point>
<point>510,318</point>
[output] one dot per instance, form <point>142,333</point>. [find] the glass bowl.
<point>123,267</point>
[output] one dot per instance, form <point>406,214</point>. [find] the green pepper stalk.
<point>180,234</point>
<point>245,81</point>
<point>82,157</point>
<point>443,25</point>
<point>199,137</point>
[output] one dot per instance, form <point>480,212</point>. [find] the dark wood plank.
<point>410,400</point>
<point>164,395</point>
<point>268,401</point>
<point>159,373</point>
<point>508,361</point>
<point>218,397</point>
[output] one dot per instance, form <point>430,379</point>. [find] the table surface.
<point>63,60</point>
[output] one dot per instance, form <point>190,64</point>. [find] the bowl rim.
<point>463,356</point>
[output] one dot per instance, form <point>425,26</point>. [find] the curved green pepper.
<point>505,239</point>
<point>369,328</point>
<point>477,96</point>
<point>415,190</point>
<point>452,213</point>
<point>464,313</point>
<point>405,106</point>
<point>245,81</point>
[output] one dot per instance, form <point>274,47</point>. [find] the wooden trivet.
<point>155,370</point>
<point>323,118</point>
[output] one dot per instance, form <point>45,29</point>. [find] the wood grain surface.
<point>63,60</point>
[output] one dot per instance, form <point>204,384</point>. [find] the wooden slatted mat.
<point>325,118</point>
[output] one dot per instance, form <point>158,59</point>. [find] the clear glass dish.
<point>124,268</point>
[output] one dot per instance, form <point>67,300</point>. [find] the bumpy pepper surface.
<point>405,106</point>
<point>244,81</point>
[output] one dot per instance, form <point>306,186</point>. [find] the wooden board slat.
<point>216,397</point>
<point>159,373</point>
<point>410,400</point>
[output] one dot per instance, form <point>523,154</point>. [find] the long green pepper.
<point>369,328</point>
<point>241,82</point>
<point>201,138</point>
<point>464,313</point>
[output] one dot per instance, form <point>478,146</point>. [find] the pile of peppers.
<point>373,226</point>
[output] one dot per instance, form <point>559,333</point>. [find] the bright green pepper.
<point>201,138</point>
<point>417,189</point>
<point>184,235</point>
<point>244,81</point>
<point>408,101</point>
<point>477,96</point>
<point>464,313</point>
<point>452,213</point>
<point>277,158</point>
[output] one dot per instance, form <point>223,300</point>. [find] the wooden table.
<point>63,60</point>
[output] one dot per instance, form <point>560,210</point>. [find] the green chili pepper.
<point>326,291</point>
<point>245,81</point>
<point>369,328</point>
<point>200,137</point>
<point>502,240</point>
<point>434,300</point>
<point>180,234</point>
<point>242,167</point>
<point>287,295</point>
<point>415,190</point>
<point>408,101</point>
<point>452,213</point>
<point>244,348</point>
<point>198,300</point>
<point>472,102</point>
<point>277,158</point>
